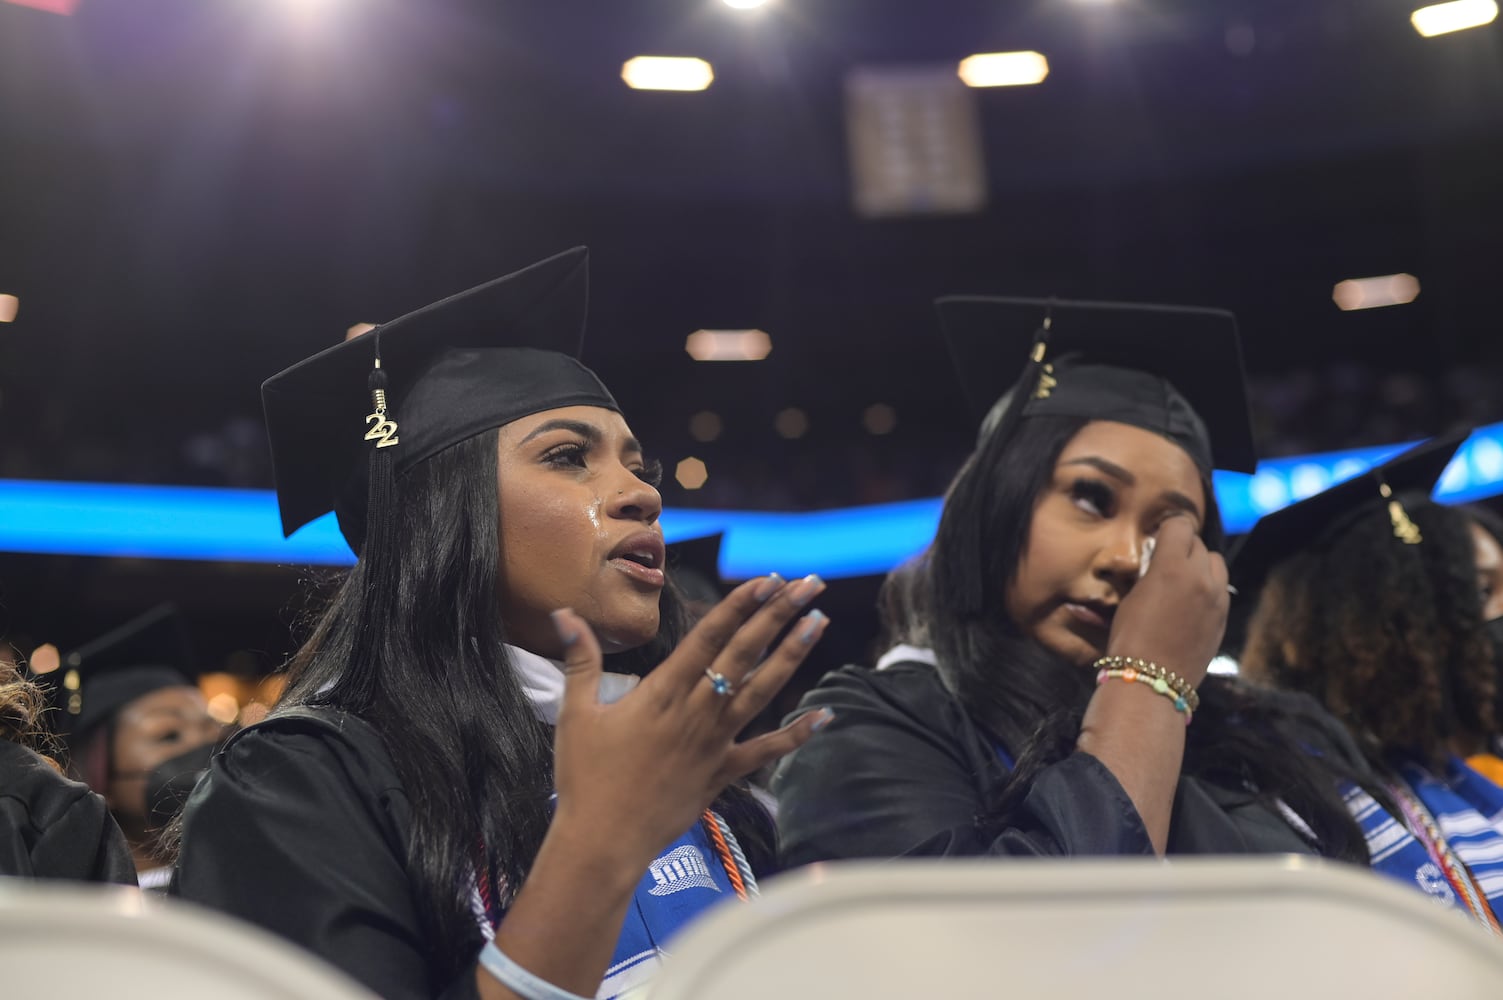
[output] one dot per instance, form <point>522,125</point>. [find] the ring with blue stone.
<point>719,683</point>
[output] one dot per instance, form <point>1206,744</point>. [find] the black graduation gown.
<point>51,827</point>
<point>301,826</point>
<point>903,770</point>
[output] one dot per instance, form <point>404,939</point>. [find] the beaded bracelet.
<point>1157,683</point>
<point>1174,681</point>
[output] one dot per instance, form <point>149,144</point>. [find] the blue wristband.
<point>517,979</point>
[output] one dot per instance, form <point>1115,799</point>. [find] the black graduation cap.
<point>1375,493</point>
<point>412,387</point>
<point>694,567</point>
<point>99,678</point>
<point>1174,370</point>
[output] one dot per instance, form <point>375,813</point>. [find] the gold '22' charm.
<point>383,431</point>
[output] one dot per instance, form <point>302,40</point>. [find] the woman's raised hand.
<point>1175,615</point>
<point>641,770</point>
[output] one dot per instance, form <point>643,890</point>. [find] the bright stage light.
<point>1004,69</point>
<point>1458,15</point>
<point>691,473</point>
<point>667,73</point>
<point>728,345</point>
<point>45,659</point>
<point>1373,293</point>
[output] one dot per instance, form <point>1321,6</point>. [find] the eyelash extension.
<point>571,454</point>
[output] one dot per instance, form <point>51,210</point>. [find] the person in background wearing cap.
<point>1367,598</point>
<point>1487,538</point>
<point>1055,638</point>
<point>503,766</point>
<point>50,827</point>
<point>137,730</point>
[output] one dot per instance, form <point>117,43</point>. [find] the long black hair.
<point>412,642</point>
<point>1031,700</point>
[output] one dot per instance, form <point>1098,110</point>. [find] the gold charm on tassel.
<point>383,431</point>
<point>71,684</point>
<point>1404,529</point>
<point>1046,381</point>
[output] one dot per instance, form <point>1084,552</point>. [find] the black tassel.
<point>383,432</point>
<point>1036,382</point>
<point>378,549</point>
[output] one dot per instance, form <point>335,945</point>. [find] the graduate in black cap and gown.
<point>501,765</point>
<point>1366,596</point>
<point>1049,694</point>
<point>50,826</point>
<point>1487,553</point>
<point>136,728</point>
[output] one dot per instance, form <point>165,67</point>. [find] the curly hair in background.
<point>21,704</point>
<point>1388,636</point>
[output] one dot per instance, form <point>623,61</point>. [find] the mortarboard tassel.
<point>383,431</point>
<point>1404,528</point>
<point>1036,382</point>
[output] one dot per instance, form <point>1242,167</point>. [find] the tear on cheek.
<point>1147,556</point>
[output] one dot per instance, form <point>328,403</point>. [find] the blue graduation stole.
<point>686,880</point>
<point>1466,810</point>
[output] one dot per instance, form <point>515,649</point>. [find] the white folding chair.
<point>1289,928</point>
<point>61,941</point>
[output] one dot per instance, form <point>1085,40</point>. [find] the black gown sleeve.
<point>54,828</point>
<point>901,772</point>
<point>300,832</point>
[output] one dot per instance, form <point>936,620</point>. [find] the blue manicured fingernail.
<point>813,624</point>
<point>806,590</point>
<point>826,716</point>
<point>567,633</point>
<point>767,587</point>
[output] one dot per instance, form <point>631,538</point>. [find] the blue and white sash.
<point>684,882</point>
<point>687,879</point>
<point>1467,808</point>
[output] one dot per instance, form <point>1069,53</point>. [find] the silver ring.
<point>720,683</point>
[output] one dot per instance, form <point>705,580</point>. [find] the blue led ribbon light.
<point>180,522</point>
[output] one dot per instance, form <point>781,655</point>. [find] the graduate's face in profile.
<point>579,529</point>
<point>1112,486</point>
<point>1489,571</point>
<point>149,731</point>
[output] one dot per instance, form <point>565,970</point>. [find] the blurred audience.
<point>136,729</point>
<point>1295,412</point>
<point>50,827</point>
